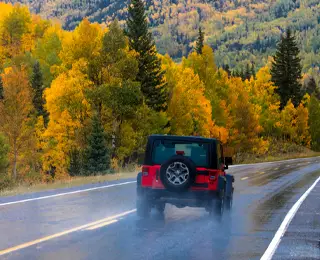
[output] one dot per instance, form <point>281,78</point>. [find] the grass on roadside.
<point>278,151</point>
<point>280,157</point>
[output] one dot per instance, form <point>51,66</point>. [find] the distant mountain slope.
<point>240,31</point>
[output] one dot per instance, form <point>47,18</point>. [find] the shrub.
<point>6,183</point>
<point>32,177</point>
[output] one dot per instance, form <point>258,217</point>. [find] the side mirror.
<point>227,162</point>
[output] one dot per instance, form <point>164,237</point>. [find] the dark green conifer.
<point>38,88</point>
<point>200,41</point>
<point>286,70</point>
<point>150,74</point>
<point>97,157</point>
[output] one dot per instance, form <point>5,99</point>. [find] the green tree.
<point>123,100</point>
<point>114,66</point>
<point>37,86</point>
<point>314,122</point>
<point>150,74</point>
<point>14,26</point>
<point>117,60</point>
<point>286,70</point>
<point>200,41</point>
<point>97,154</point>
<point>47,51</point>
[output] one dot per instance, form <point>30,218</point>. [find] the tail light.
<point>145,171</point>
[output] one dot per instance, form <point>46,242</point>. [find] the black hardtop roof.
<point>183,138</point>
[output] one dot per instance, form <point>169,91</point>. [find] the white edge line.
<point>67,193</point>
<point>66,232</point>
<point>284,225</point>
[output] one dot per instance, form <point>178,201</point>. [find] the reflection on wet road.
<point>264,193</point>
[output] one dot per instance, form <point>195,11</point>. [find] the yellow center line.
<point>244,178</point>
<point>261,172</point>
<point>102,224</point>
<point>43,239</point>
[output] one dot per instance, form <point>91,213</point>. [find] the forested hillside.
<point>240,31</point>
<point>83,101</point>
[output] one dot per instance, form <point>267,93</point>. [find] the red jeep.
<point>184,171</point>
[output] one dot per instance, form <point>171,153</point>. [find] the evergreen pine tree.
<point>314,122</point>
<point>286,70</point>
<point>37,86</point>
<point>227,69</point>
<point>253,71</point>
<point>247,73</point>
<point>200,41</point>
<point>150,74</point>
<point>258,43</point>
<point>97,158</point>
<point>1,89</point>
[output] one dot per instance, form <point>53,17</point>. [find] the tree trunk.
<point>14,170</point>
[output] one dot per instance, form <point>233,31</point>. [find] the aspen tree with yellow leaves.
<point>15,109</point>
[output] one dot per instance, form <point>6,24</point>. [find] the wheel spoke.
<point>177,180</point>
<point>170,170</point>
<point>185,171</point>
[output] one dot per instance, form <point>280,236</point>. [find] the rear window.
<point>197,152</point>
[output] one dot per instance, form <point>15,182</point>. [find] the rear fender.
<point>139,188</point>
<point>139,179</point>
<point>221,183</point>
<point>229,186</point>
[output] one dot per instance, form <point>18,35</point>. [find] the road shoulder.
<point>302,240</point>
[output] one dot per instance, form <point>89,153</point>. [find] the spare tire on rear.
<point>178,173</point>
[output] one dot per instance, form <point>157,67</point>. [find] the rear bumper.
<point>191,198</point>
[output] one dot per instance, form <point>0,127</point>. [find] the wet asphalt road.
<point>264,193</point>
